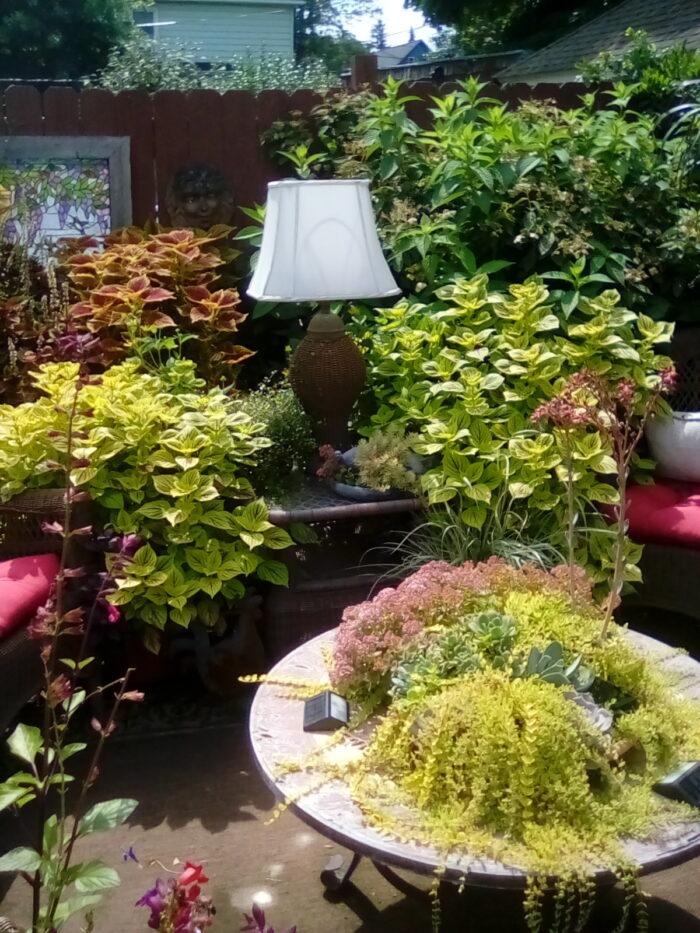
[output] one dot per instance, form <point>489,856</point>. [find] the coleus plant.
<point>161,461</point>
<point>141,283</point>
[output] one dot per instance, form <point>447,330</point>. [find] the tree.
<point>488,25</point>
<point>60,38</point>
<point>378,35</point>
<point>316,21</point>
<point>336,52</point>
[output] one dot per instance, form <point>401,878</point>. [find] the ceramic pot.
<point>675,445</point>
<point>364,493</point>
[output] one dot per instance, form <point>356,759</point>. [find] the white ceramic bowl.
<point>675,445</point>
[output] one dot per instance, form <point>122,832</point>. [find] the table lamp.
<point>320,244</point>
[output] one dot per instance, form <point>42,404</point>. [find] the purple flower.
<point>155,900</point>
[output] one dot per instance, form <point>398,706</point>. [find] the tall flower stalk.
<point>47,865</point>
<point>590,401</point>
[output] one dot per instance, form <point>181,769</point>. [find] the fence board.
<point>23,111</point>
<point>134,118</point>
<point>172,149</point>
<point>171,129</point>
<point>205,117</point>
<point>240,143</point>
<point>98,113</point>
<point>304,100</point>
<point>271,106</point>
<point>61,115</point>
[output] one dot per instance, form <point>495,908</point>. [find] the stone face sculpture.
<point>199,197</point>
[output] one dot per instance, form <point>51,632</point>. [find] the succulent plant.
<point>495,633</point>
<point>549,666</point>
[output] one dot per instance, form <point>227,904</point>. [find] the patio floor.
<point>201,799</point>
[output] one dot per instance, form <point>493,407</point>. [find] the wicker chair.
<point>671,573</point>
<point>21,535</point>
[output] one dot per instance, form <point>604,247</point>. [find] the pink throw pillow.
<point>25,583</point>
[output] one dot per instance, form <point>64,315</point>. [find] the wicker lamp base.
<point>327,373</point>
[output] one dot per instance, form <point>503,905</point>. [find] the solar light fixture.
<point>325,712</point>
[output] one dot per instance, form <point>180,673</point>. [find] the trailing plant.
<point>62,886</point>
<point>141,283</point>
<point>515,191</point>
<point>467,372</point>
<point>163,461</point>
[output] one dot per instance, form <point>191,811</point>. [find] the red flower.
<point>192,873</point>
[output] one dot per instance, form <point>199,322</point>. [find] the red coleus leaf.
<point>234,354</point>
<point>201,313</point>
<point>82,259</point>
<point>125,235</point>
<point>197,293</point>
<point>157,319</point>
<point>81,309</point>
<point>138,285</point>
<point>157,294</point>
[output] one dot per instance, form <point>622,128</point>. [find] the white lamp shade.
<point>320,243</point>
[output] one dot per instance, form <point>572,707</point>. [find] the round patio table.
<point>278,738</point>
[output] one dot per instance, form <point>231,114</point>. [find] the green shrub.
<point>466,373</point>
<point>160,460</point>
<point>144,64</point>
<point>288,428</point>
<point>655,73</point>
<point>591,197</point>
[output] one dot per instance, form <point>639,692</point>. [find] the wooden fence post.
<point>364,71</point>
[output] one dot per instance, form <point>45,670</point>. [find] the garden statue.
<point>199,197</point>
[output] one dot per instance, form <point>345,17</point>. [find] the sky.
<point>397,24</point>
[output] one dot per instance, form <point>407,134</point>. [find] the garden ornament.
<point>199,197</point>
<point>320,244</point>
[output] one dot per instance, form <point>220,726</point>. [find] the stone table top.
<point>277,737</point>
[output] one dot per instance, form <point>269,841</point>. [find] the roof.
<point>395,55</point>
<point>668,22</point>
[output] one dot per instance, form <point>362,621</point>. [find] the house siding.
<point>221,31</point>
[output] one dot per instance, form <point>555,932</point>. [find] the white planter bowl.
<point>675,445</point>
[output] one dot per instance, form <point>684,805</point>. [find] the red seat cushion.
<point>25,583</point>
<point>666,513</point>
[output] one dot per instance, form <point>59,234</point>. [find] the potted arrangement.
<point>492,722</point>
<point>379,467</point>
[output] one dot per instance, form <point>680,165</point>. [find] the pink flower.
<point>669,379</point>
<point>113,613</point>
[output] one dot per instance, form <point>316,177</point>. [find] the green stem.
<point>80,805</point>
<point>570,521</point>
<point>49,662</point>
<point>620,541</point>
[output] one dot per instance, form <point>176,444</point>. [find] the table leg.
<point>405,887</point>
<point>335,875</point>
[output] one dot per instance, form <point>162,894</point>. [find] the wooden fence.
<point>173,128</point>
